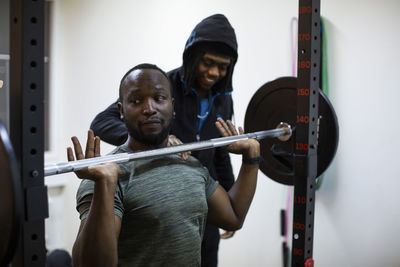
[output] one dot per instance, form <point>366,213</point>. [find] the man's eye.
<point>208,63</point>
<point>135,101</point>
<point>223,67</point>
<point>160,98</point>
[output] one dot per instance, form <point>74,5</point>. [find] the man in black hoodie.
<point>202,89</point>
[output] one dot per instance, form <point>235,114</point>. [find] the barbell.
<point>283,132</point>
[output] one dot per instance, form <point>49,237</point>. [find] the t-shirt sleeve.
<point>84,198</point>
<point>211,184</point>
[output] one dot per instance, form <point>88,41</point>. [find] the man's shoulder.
<point>173,74</point>
<point>120,149</point>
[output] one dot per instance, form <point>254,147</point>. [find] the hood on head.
<point>213,34</point>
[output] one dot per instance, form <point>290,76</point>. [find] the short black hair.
<point>142,66</point>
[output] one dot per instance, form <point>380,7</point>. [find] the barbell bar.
<point>283,132</point>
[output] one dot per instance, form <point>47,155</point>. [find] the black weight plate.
<point>11,200</point>
<point>275,102</point>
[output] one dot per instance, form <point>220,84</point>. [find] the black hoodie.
<point>213,34</point>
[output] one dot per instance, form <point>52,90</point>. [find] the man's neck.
<point>135,145</point>
<point>202,93</point>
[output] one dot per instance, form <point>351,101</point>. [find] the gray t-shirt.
<point>162,203</point>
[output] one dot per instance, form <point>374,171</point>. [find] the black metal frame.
<point>27,124</point>
<point>308,76</point>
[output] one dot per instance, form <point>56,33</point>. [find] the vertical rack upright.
<point>306,134</point>
<point>27,124</point>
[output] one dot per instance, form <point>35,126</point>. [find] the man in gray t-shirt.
<point>153,199</point>
<point>153,212</point>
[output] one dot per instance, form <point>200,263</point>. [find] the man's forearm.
<point>242,192</point>
<point>229,210</point>
<point>223,168</point>
<point>96,244</point>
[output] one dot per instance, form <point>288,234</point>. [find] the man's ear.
<point>121,110</point>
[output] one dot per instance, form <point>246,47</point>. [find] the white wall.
<point>357,208</point>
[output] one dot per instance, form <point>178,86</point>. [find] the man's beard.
<point>149,139</point>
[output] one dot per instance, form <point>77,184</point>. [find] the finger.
<point>172,140</point>
<point>178,142</point>
<point>221,128</point>
<point>70,154</point>
<point>89,153</point>
<point>77,147</point>
<point>225,126</point>
<point>227,234</point>
<point>175,140</point>
<point>241,131</point>
<point>232,127</point>
<point>97,147</point>
<point>224,236</point>
<point>184,155</point>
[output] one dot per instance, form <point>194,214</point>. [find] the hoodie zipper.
<point>210,104</point>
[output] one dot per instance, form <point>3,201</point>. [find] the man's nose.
<point>213,71</point>
<point>148,107</point>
